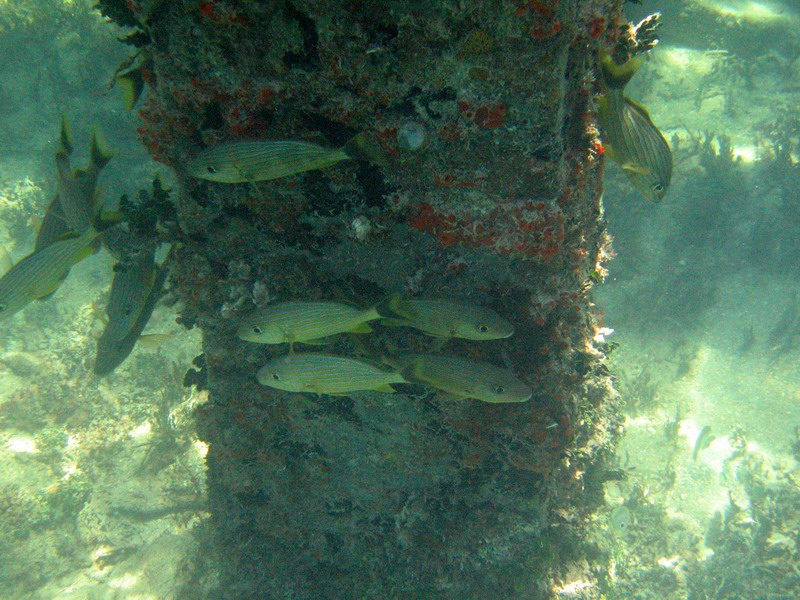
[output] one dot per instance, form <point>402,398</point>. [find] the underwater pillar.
<point>490,193</point>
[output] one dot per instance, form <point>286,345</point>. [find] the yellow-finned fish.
<point>629,135</point>
<point>445,318</point>
<point>298,321</point>
<point>112,352</point>
<point>326,374</point>
<point>462,378</point>
<point>77,187</point>
<point>248,161</point>
<point>39,274</point>
<point>133,280</point>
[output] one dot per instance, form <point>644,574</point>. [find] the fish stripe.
<point>129,291</point>
<point>326,373</point>
<point>302,321</point>
<point>267,160</point>
<point>39,273</point>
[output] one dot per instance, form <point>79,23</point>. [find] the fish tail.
<point>361,147</point>
<point>615,76</point>
<point>65,137</point>
<point>100,152</point>
<point>390,308</point>
<point>132,84</point>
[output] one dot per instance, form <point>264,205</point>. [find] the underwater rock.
<point>24,364</point>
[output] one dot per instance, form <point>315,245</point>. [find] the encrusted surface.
<point>410,494</point>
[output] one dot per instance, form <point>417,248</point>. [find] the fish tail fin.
<point>132,84</point>
<point>615,76</point>
<point>361,147</point>
<point>65,137</point>
<point>100,152</point>
<point>390,308</point>
<point>361,328</point>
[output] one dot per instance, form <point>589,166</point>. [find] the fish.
<point>299,321</point>
<point>317,373</point>
<point>40,273</point>
<point>461,378</point>
<point>78,187</point>
<point>54,225</point>
<point>444,318</point>
<point>130,288</point>
<point>249,161</point>
<point>703,441</point>
<point>629,136</point>
<point>620,519</point>
<point>112,352</point>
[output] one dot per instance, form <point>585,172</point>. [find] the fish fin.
<point>386,388</point>
<point>633,169</point>
<point>48,293</point>
<point>615,76</point>
<point>132,84</point>
<point>66,136</point>
<point>389,307</point>
<point>247,176</point>
<point>639,108</point>
<point>84,252</point>
<point>100,152</point>
<point>361,328</point>
<point>52,226</point>
<point>361,147</point>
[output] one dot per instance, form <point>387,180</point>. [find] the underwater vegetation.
<point>457,262</point>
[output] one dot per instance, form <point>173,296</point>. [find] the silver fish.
<point>299,321</point>
<point>248,161</point>
<point>130,288</point>
<point>39,274</point>
<point>326,374</point>
<point>445,318</point>
<point>462,378</point>
<point>113,352</point>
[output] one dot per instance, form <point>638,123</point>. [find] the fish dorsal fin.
<point>66,135</point>
<point>615,76</point>
<point>99,150</point>
<point>639,109</point>
<point>132,84</point>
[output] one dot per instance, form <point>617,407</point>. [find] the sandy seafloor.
<point>687,285</point>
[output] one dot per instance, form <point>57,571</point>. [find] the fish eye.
<point>658,187</point>
<point>276,377</point>
<point>499,389</point>
<point>211,169</point>
<point>482,328</point>
<point>257,330</point>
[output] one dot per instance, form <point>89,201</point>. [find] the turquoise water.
<point>102,480</point>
